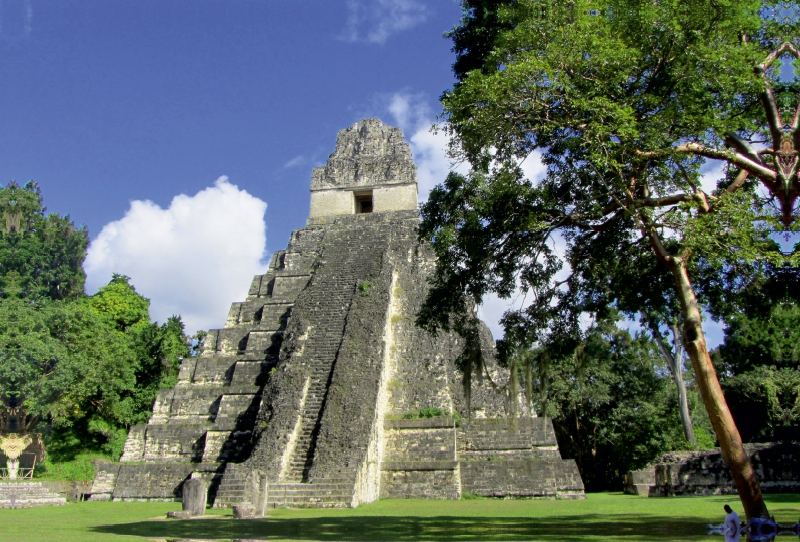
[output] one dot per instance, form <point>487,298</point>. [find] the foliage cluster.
<point>760,357</point>
<point>625,102</point>
<point>80,369</point>
<point>612,402</point>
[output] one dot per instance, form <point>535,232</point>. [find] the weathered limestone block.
<point>288,286</point>
<point>705,472</point>
<point>105,479</point>
<point>258,287</point>
<point>263,345</point>
<point>191,404</point>
<point>244,510</point>
<point>394,198</point>
<point>215,441</point>
<point>174,441</point>
<point>247,373</point>
<point>134,445</point>
<point>232,340</point>
<point>213,370</point>
<point>273,315</point>
<point>232,408</point>
<point>367,153</point>
<point>154,481</point>
<point>186,371</point>
<point>420,484</point>
<point>195,496</point>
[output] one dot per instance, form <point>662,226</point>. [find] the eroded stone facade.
<point>300,399</point>
<point>704,472</point>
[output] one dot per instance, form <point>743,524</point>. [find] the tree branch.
<point>738,182</point>
<point>736,159</point>
<point>743,147</point>
<point>773,116</point>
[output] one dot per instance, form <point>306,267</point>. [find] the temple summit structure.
<point>320,390</point>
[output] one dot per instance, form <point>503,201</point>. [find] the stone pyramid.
<point>316,390</point>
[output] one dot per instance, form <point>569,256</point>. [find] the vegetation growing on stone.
<point>431,413</point>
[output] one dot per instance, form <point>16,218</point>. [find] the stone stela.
<point>310,394</point>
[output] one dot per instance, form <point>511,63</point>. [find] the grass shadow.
<point>562,528</point>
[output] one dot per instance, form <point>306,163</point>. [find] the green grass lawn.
<point>603,516</point>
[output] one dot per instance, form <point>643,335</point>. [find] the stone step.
<point>279,494</point>
<point>27,495</point>
<point>309,503</point>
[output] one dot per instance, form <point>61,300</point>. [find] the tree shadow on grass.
<point>562,528</point>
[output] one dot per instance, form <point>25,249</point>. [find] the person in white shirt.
<point>731,525</point>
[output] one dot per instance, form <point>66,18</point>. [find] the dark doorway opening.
<point>363,202</point>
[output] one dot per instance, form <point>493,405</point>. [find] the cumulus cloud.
<point>192,258</point>
<point>415,117</point>
<point>413,114</point>
<point>373,21</point>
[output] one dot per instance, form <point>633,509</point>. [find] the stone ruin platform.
<point>24,494</point>
<point>704,472</point>
<point>303,397</point>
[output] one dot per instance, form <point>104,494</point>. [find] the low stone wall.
<point>519,479</point>
<point>705,472</point>
<point>420,459</point>
<point>147,481</point>
<point>428,480</point>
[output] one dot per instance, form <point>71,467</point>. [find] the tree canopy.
<point>82,369</point>
<point>45,251</point>
<point>625,102</point>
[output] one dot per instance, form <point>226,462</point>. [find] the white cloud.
<point>711,172</point>
<point>532,166</point>
<point>192,258</point>
<point>415,117</point>
<point>492,310</point>
<point>296,161</point>
<point>373,21</point>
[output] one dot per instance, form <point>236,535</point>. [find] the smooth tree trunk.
<point>730,442</point>
<point>674,359</point>
<point>683,406</point>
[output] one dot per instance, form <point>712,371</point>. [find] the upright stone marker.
<point>195,496</point>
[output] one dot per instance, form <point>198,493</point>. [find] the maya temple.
<point>311,393</point>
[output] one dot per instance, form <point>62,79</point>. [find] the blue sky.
<point>108,103</point>
<point>183,133</point>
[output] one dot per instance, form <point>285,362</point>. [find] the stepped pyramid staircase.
<point>328,298</point>
<point>207,419</point>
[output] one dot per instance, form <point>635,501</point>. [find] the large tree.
<point>624,101</point>
<point>81,368</point>
<point>46,251</point>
